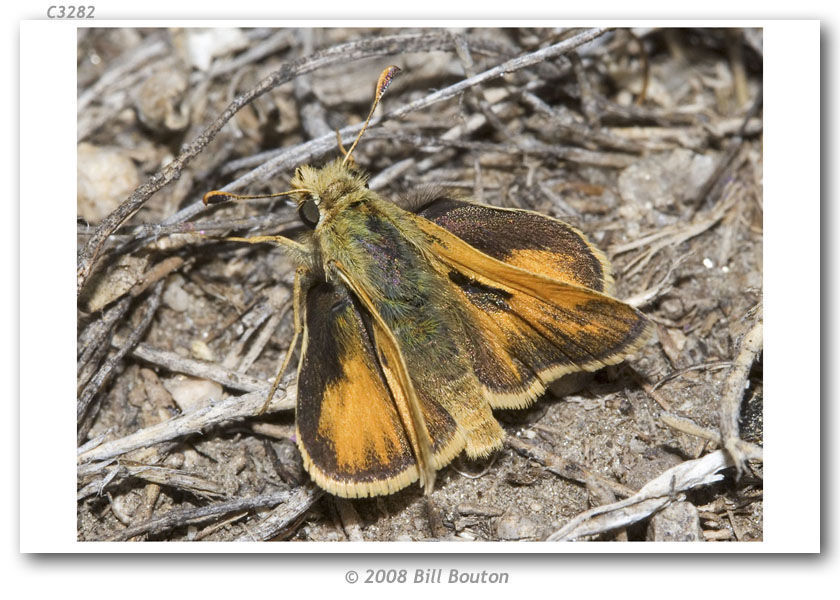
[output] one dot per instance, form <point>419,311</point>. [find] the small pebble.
<point>104,178</point>
<point>514,526</point>
<point>191,394</point>
<point>159,101</point>
<point>175,297</point>
<point>203,45</point>
<point>202,351</point>
<point>678,522</point>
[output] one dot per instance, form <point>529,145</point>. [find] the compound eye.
<point>309,213</point>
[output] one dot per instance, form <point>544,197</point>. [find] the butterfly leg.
<point>277,240</point>
<point>296,303</point>
<point>301,254</point>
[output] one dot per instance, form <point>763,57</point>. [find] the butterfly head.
<point>324,190</point>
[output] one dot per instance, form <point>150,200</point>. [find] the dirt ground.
<point>649,141</point>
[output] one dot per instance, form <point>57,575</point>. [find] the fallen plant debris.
<point>648,140</point>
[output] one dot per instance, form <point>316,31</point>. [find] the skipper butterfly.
<point>414,325</point>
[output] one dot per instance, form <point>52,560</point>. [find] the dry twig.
<point>733,393</point>
<point>654,496</point>
<point>236,407</point>
<point>565,468</point>
<point>98,380</point>
<point>179,518</point>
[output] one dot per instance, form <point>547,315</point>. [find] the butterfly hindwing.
<point>349,431</point>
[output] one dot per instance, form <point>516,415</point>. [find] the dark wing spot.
<point>483,296</point>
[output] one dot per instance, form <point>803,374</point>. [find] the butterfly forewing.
<point>524,239</point>
<point>529,328</point>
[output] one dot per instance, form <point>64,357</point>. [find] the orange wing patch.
<point>524,239</point>
<point>349,431</point>
<point>529,329</point>
<point>363,432</point>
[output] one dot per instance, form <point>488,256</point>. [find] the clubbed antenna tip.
<point>385,79</point>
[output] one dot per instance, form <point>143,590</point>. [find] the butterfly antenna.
<point>381,85</point>
<point>217,196</point>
